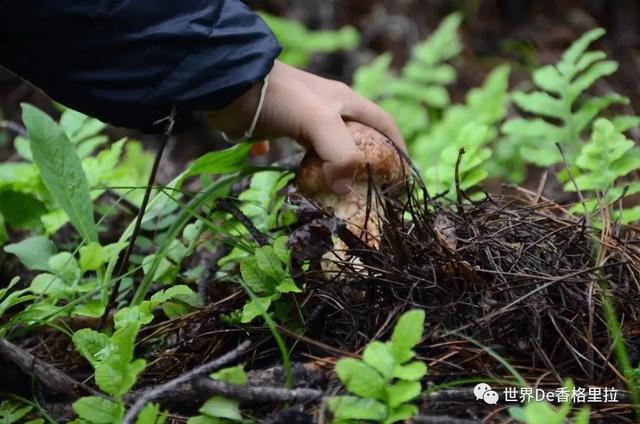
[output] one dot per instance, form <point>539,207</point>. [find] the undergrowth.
<point>70,183</point>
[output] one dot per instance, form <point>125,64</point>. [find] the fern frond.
<point>420,86</point>
<point>606,158</point>
<point>559,112</point>
<point>471,126</point>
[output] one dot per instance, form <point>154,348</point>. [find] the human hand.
<point>311,110</point>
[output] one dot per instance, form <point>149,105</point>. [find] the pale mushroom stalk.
<point>382,166</point>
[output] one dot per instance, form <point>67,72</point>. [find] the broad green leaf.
<point>221,407</point>
<point>355,408</point>
<point>379,356</point>
<point>402,392</point>
<point>33,252</point>
<point>267,261</point>
<point>360,379</point>
<point>48,284</point>
<point>232,375</point>
<point>254,278</point>
<point>287,285</point>
<point>252,310</point>
<point>407,333</point>
<point>413,371</point>
<point>97,410</point>
<point>401,413</point>
<point>65,266</point>
<point>21,211</point>
<point>92,257</point>
<point>60,170</point>
<point>92,344</point>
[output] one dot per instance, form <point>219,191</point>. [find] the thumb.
<point>331,140</point>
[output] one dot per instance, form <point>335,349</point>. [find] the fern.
<point>420,88</point>
<point>559,112</point>
<point>602,162</point>
<point>299,43</point>
<point>471,126</point>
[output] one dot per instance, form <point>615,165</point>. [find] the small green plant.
<point>545,413</point>
<point>57,179</point>
<point>384,383</point>
<point>220,409</point>
<point>559,107</point>
<point>471,126</point>
<point>606,158</point>
<point>13,412</point>
<point>267,274</point>
<point>299,43</point>
<point>112,357</point>
<point>419,92</point>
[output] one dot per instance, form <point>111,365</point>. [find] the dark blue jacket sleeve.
<point>128,62</point>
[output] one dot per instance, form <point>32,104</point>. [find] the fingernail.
<point>341,186</point>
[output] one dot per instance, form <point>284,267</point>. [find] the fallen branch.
<point>255,394</point>
<point>169,386</point>
<point>46,374</point>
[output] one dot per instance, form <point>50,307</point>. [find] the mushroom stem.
<point>382,167</point>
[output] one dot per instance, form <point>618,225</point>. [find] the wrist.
<point>237,120</point>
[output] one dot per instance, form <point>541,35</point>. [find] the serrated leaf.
<point>254,278</point>
<point>360,379</point>
<point>267,261</point>
<point>60,170</point>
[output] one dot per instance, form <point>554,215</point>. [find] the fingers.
<point>365,111</point>
<point>330,139</point>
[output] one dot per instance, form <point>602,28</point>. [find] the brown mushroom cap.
<point>387,165</point>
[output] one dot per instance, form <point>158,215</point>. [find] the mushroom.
<point>388,171</point>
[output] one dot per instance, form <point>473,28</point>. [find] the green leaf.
<point>287,285</point>
<point>33,252</point>
<point>232,375</point>
<point>402,392</point>
<point>221,407</point>
<point>401,413</point>
<point>360,379</point>
<point>151,414</point>
<point>219,162</point>
<point>60,170</point>
<point>65,266</point>
<point>413,371</point>
<point>11,412</point>
<point>92,257</point>
<point>254,278</point>
<point>407,333</point>
<point>48,284</point>
<point>20,210</point>
<point>268,262</point>
<point>93,345</point>
<point>251,310</point>
<point>97,410</point>
<point>379,356</point>
<point>355,408</point>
